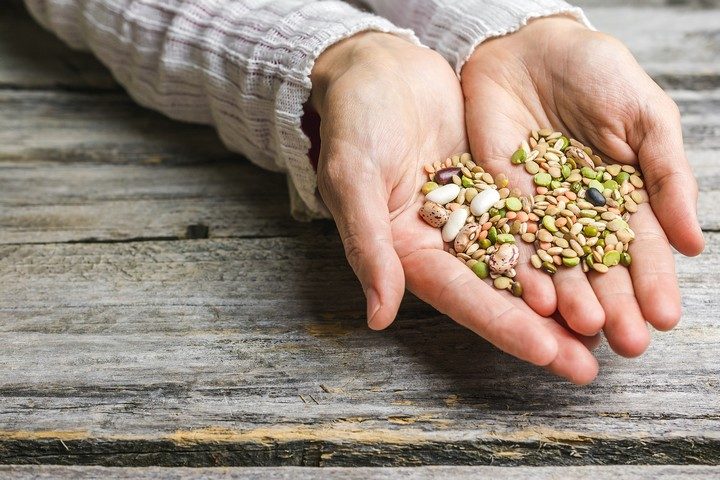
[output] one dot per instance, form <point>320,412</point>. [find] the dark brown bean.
<point>444,176</point>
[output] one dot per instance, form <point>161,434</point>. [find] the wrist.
<point>530,41</point>
<point>364,48</point>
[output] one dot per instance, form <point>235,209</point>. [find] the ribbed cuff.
<point>456,30</point>
<point>327,23</point>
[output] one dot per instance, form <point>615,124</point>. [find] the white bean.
<point>454,224</point>
<point>443,195</point>
<point>483,201</point>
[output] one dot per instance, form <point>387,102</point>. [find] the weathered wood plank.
<point>99,128</point>
<point>417,473</point>
<point>31,57</point>
<point>73,127</point>
<point>677,46</point>
<point>240,352</point>
<point>50,202</point>
<point>78,167</point>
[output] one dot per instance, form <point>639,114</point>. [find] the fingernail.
<point>373,304</point>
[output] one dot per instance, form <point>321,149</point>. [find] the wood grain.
<point>417,473</point>
<point>239,352</point>
<point>49,202</point>
<point>32,58</point>
<point>127,341</point>
<point>102,169</point>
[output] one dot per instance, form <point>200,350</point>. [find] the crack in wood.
<point>272,452</point>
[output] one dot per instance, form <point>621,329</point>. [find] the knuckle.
<point>331,172</point>
<point>659,107</point>
<point>666,179</point>
<point>667,107</point>
<point>607,45</point>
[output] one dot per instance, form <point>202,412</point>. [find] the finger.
<point>625,326</point>
<point>359,207</point>
<point>538,289</point>
<point>669,179</point>
<point>443,281</point>
<point>577,302</point>
<point>590,342</point>
<point>653,271</point>
<point>574,360</point>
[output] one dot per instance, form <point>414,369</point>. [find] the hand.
<point>387,108</point>
<point>556,73</point>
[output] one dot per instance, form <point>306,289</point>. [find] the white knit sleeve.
<point>454,28</point>
<point>240,65</point>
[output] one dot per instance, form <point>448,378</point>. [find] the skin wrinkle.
<point>599,141</point>
<point>663,181</point>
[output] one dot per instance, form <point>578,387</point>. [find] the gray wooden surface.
<point>334,473</point>
<point>158,306</point>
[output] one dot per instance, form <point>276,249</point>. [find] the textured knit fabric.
<point>240,65</point>
<point>454,28</point>
<point>244,65</point>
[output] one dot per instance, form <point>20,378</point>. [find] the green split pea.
<point>481,270</point>
<point>543,179</point>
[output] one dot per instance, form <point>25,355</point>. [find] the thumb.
<point>357,199</point>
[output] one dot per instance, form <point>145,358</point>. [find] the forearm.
<point>240,65</point>
<point>454,28</point>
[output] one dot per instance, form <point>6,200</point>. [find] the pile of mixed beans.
<point>578,215</point>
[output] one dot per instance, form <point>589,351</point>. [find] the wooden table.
<point>159,307</point>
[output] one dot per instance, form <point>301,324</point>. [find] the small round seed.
<point>502,283</point>
<point>481,270</point>
<point>614,169</point>
<point>549,267</point>
<point>545,132</point>
<point>631,206</point>
<point>505,238</point>
<point>531,167</point>
<point>544,256</point>
<point>595,196</point>
<point>545,236</point>
<point>501,180</point>
<point>600,268</point>
<point>616,224</point>
<point>611,258</point>
<point>549,223</point>
<point>429,187</point>
<point>639,196</point>
<point>536,261</point>
<point>561,242</point>
<point>625,259</point>
<point>445,175</point>
<point>514,204</point>
<point>571,262</point>
<point>542,179</point>
<point>519,156</point>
